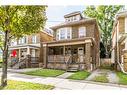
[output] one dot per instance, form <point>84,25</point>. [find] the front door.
<point>81,54</point>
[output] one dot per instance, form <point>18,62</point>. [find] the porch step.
<point>72,69</point>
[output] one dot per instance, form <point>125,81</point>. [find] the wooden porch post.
<point>19,55</point>
<point>45,55</point>
<point>64,50</point>
<point>88,56</point>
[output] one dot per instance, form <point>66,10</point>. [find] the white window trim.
<point>66,28</point>
<point>35,39</point>
<point>80,30</point>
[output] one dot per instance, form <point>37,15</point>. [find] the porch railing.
<point>34,60</point>
<point>58,58</point>
<point>64,59</point>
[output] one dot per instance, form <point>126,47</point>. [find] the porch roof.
<point>24,46</point>
<point>70,42</point>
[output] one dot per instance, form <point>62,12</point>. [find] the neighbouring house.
<point>119,41</point>
<point>27,51</point>
<point>75,45</point>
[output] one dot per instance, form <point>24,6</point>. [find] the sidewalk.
<point>61,84</point>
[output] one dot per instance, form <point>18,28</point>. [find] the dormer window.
<point>75,16</point>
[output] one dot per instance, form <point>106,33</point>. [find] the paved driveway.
<point>111,75</point>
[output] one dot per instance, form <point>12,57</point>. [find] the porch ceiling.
<point>70,42</point>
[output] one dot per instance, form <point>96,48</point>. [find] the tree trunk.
<point>5,60</point>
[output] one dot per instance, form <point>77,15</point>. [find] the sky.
<point>55,14</point>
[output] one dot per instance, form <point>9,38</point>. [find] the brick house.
<point>75,45</point>
<point>28,46</point>
<point>119,41</point>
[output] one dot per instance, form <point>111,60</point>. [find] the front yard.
<point>81,75</point>
<point>45,72</point>
<point>20,85</point>
<point>101,78</point>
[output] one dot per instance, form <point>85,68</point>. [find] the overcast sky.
<point>55,13</point>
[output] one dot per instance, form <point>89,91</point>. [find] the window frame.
<point>34,39</point>
<point>65,33</point>
<point>82,33</point>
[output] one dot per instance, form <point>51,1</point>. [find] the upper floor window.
<point>22,40</point>
<point>57,35</point>
<point>34,39</point>
<point>68,33</point>
<point>63,33</point>
<point>82,32</point>
<point>13,43</point>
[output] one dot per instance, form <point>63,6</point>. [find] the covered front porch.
<point>78,54</point>
<point>24,55</point>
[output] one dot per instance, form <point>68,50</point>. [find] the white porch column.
<point>28,50</point>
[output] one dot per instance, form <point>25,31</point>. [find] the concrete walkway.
<point>111,75</point>
<point>60,84</point>
<point>22,70</point>
<point>65,75</point>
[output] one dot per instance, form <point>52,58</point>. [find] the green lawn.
<point>20,85</point>
<point>45,72</point>
<point>122,78</point>
<point>101,78</point>
<point>81,75</point>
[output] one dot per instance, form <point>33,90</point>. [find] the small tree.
<point>15,22</point>
<point>105,16</point>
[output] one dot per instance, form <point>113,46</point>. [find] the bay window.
<point>63,33</point>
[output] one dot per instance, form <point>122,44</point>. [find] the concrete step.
<point>72,69</point>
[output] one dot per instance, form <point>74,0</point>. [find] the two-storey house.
<point>119,41</point>
<point>28,46</point>
<point>75,45</point>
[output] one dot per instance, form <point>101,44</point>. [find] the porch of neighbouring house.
<point>79,54</point>
<point>24,56</point>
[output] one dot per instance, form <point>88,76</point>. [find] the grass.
<point>122,78</point>
<point>101,78</point>
<point>45,72</point>
<point>20,85</point>
<point>81,75</point>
